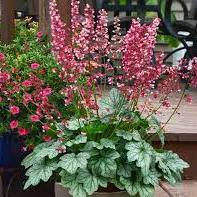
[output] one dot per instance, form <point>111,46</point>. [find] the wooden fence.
<point>8,16</point>
<point>8,8</point>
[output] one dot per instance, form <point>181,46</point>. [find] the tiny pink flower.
<point>34,118</point>
<point>166,103</point>
<point>14,124</point>
<point>46,92</point>
<point>45,127</point>
<point>27,98</point>
<point>188,99</point>
<point>2,57</point>
<point>4,76</point>
<point>27,83</point>
<point>35,65</point>
<point>46,138</point>
<point>23,132</point>
<point>14,110</point>
<point>39,35</point>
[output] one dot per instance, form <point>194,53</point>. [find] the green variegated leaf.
<point>132,135</point>
<point>90,182</point>
<point>117,183</point>
<point>124,169</point>
<point>30,160</point>
<point>80,139</point>
<point>74,124</point>
<point>78,190</point>
<point>70,181</point>
<point>152,178</point>
<point>130,185</point>
<point>154,123</point>
<point>104,163</point>
<point>43,150</point>
<point>171,165</point>
<point>141,152</point>
<point>91,145</point>
<point>146,191</point>
<point>40,172</point>
<point>102,182</point>
<point>61,127</point>
<point>71,162</point>
<point>107,143</point>
<point>114,103</point>
<point>50,151</point>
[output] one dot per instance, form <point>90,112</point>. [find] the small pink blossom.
<point>14,110</point>
<point>23,132</point>
<point>27,83</point>
<point>34,118</point>
<point>188,99</point>
<point>35,65</point>
<point>45,127</point>
<point>39,35</point>
<point>47,92</point>
<point>2,57</point>
<point>14,124</point>
<point>27,98</point>
<point>47,138</point>
<point>166,103</point>
<point>4,76</point>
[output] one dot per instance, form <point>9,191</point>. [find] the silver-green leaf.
<point>71,162</point>
<point>141,152</point>
<point>40,172</point>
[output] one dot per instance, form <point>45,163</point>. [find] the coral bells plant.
<point>107,140</point>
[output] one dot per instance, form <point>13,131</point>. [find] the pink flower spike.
<point>35,66</point>
<point>14,124</point>
<point>34,118</point>
<point>23,132</point>
<point>14,110</point>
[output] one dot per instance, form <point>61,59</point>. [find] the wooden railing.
<point>8,16</point>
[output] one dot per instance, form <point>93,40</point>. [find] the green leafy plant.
<point>91,154</point>
<point>25,83</point>
<point>107,137</point>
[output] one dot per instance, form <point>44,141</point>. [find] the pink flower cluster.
<point>27,99</point>
<point>89,53</point>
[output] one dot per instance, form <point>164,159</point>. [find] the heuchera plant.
<point>109,84</point>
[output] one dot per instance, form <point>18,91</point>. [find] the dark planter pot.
<point>62,192</point>
<point>10,150</point>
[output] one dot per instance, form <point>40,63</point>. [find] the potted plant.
<point>29,80</point>
<point>104,147</point>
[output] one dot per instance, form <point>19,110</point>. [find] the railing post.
<point>44,19</point>
<point>65,10</point>
<point>7,20</point>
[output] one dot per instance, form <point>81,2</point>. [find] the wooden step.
<point>185,189</point>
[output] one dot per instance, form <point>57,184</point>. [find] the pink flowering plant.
<point>107,140</point>
<point>29,86</point>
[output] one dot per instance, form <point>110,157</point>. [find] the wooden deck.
<point>183,125</point>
